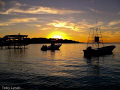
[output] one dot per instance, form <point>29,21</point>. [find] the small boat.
<point>99,51</point>
<point>95,39</point>
<point>51,47</point>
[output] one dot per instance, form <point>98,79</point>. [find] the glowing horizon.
<point>52,19</point>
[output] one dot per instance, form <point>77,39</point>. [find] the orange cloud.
<point>39,10</point>
<point>17,20</point>
<point>56,23</point>
<point>112,23</point>
<point>36,25</point>
<point>103,12</point>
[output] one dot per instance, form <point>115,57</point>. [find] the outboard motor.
<point>44,47</point>
<point>89,48</point>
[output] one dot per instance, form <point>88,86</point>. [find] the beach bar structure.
<point>15,41</point>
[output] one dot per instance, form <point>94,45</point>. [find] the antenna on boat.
<point>96,21</point>
<point>95,37</point>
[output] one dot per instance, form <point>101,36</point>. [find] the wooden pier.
<point>13,41</point>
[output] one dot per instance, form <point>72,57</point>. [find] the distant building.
<point>15,37</point>
<point>15,40</point>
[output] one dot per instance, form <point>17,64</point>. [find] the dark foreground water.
<point>67,68</point>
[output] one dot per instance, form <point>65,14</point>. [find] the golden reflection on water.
<point>66,67</point>
<point>68,61</point>
<point>62,74</point>
<point>69,54</point>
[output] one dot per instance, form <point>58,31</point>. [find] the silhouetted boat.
<point>98,51</point>
<point>93,39</point>
<point>51,47</point>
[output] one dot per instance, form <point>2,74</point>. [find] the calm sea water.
<point>67,68</point>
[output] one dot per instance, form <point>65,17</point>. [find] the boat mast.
<point>95,38</point>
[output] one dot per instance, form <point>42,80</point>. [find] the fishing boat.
<point>93,45</point>
<point>51,47</point>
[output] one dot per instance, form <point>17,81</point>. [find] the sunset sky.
<point>67,19</point>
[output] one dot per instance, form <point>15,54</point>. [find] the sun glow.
<point>58,34</point>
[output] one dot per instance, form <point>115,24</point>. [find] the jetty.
<point>13,41</point>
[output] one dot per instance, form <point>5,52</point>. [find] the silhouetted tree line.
<point>45,40</point>
<point>5,41</point>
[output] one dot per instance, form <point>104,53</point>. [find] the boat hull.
<point>99,51</point>
<point>55,47</point>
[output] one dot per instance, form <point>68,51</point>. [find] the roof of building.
<point>15,36</point>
